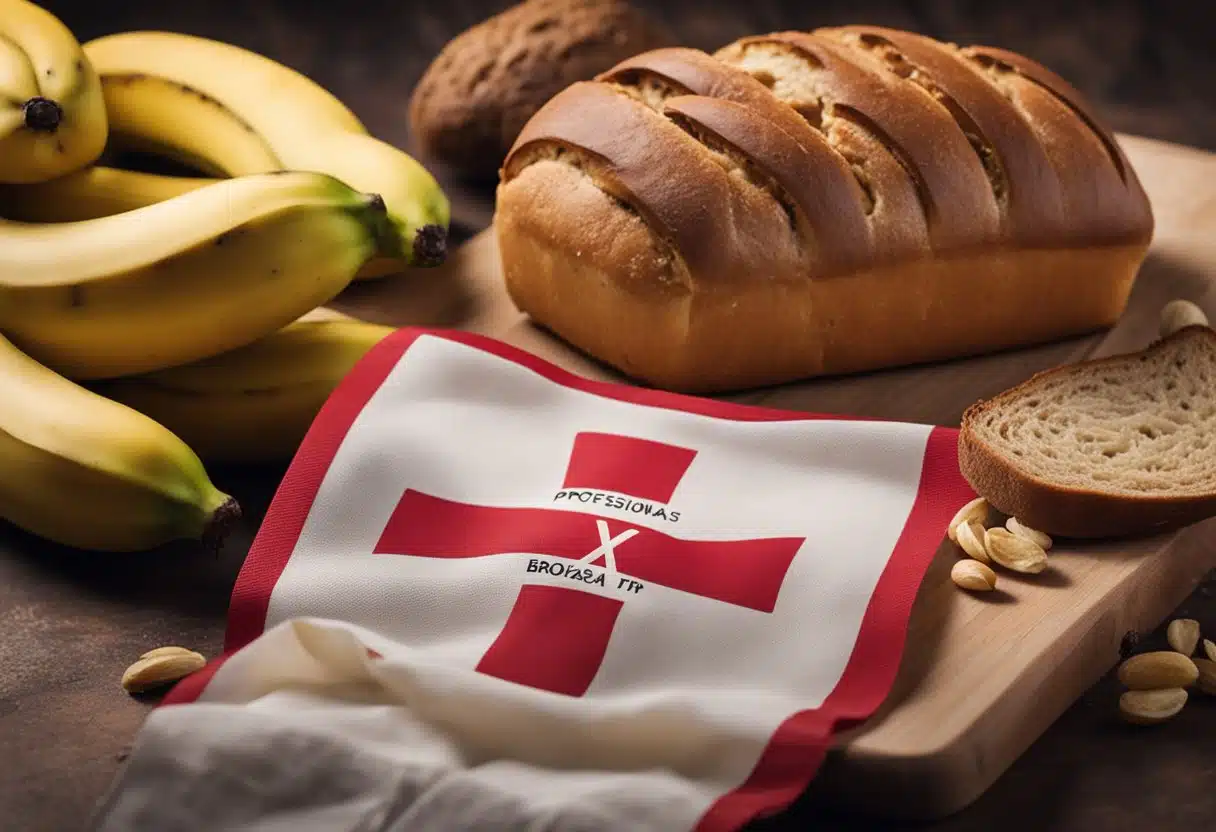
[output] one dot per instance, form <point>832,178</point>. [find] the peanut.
<point>1207,676</point>
<point>1149,707</point>
<point>973,575</point>
<point>1013,552</point>
<point>1157,670</point>
<point>156,671</point>
<point>1183,635</point>
<point>975,511</point>
<point>1035,536</point>
<point>971,541</point>
<point>165,651</point>
<point>1178,314</point>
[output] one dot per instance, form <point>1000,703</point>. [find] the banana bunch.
<point>219,275</point>
<point>52,113</point>
<point>151,325</point>
<point>226,111</point>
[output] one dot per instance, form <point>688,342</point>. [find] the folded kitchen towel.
<point>492,595</point>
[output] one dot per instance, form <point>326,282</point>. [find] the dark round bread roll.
<point>486,83</point>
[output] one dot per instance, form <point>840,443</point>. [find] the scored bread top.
<point>845,148</point>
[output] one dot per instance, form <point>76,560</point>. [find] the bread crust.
<point>1066,511</point>
<point>662,332</point>
<point>760,236</point>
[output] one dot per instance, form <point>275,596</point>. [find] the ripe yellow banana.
<point>226,110</point>
<point>254,404</point>
<point>92,193</point>
<point>52,114</point>
<point>198,275</point>
<point>91,473</point>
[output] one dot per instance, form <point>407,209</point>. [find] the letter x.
<point>607,547</point>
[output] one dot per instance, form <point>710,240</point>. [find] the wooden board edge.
<point>948,779</point>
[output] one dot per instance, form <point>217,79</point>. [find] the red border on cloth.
<point>799,744</point>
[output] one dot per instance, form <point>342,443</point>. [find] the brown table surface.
<point>70,622</point>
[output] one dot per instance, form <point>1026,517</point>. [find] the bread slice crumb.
<point>1106,447</point>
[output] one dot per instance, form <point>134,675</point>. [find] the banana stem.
<point>220,524</point>
<point>388,241</point>
<point>428,248</point>
<point>430,245</point>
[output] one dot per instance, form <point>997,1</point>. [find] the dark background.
<point>69,623</point>
<point>1148,65</point>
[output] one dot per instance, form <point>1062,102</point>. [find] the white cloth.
<point>492,595</point>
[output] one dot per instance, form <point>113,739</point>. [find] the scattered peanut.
<point>1035,536</point>
<point>1013,552</point>
<point>973,575</point>
<point>1178,314</point>
<point>1209,648</point>
<point>154,671</point>
<point>1160,669</point>
<point>975,511</point>
<point>165,651</point>
<point>1149,707</point>
<point>1183,635</point>
<point>1207,676</point>
<point>971,540</point>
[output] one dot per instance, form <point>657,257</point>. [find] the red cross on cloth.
<point>555,637</point>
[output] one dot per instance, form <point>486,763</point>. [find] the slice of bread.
<point>1109,447</point>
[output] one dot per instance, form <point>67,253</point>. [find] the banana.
<point>253,404</point>
<point>157,115</point>
<point>226,110</point>
<point>92,193</point>
<point>87,472</point>
<point>195,276</point>
<point>52,113</point>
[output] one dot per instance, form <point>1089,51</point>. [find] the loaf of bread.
<point>486,83</point>
<point>802,204</point>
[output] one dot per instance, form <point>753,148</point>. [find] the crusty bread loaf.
<point>485,83</point>
<point>1103,448</point>
<point>806,204</point>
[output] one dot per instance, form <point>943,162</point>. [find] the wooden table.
<point>71,622</point>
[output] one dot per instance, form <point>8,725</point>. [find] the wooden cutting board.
<point>982,676</point>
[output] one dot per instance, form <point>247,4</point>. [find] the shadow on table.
<point>181,577</point>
